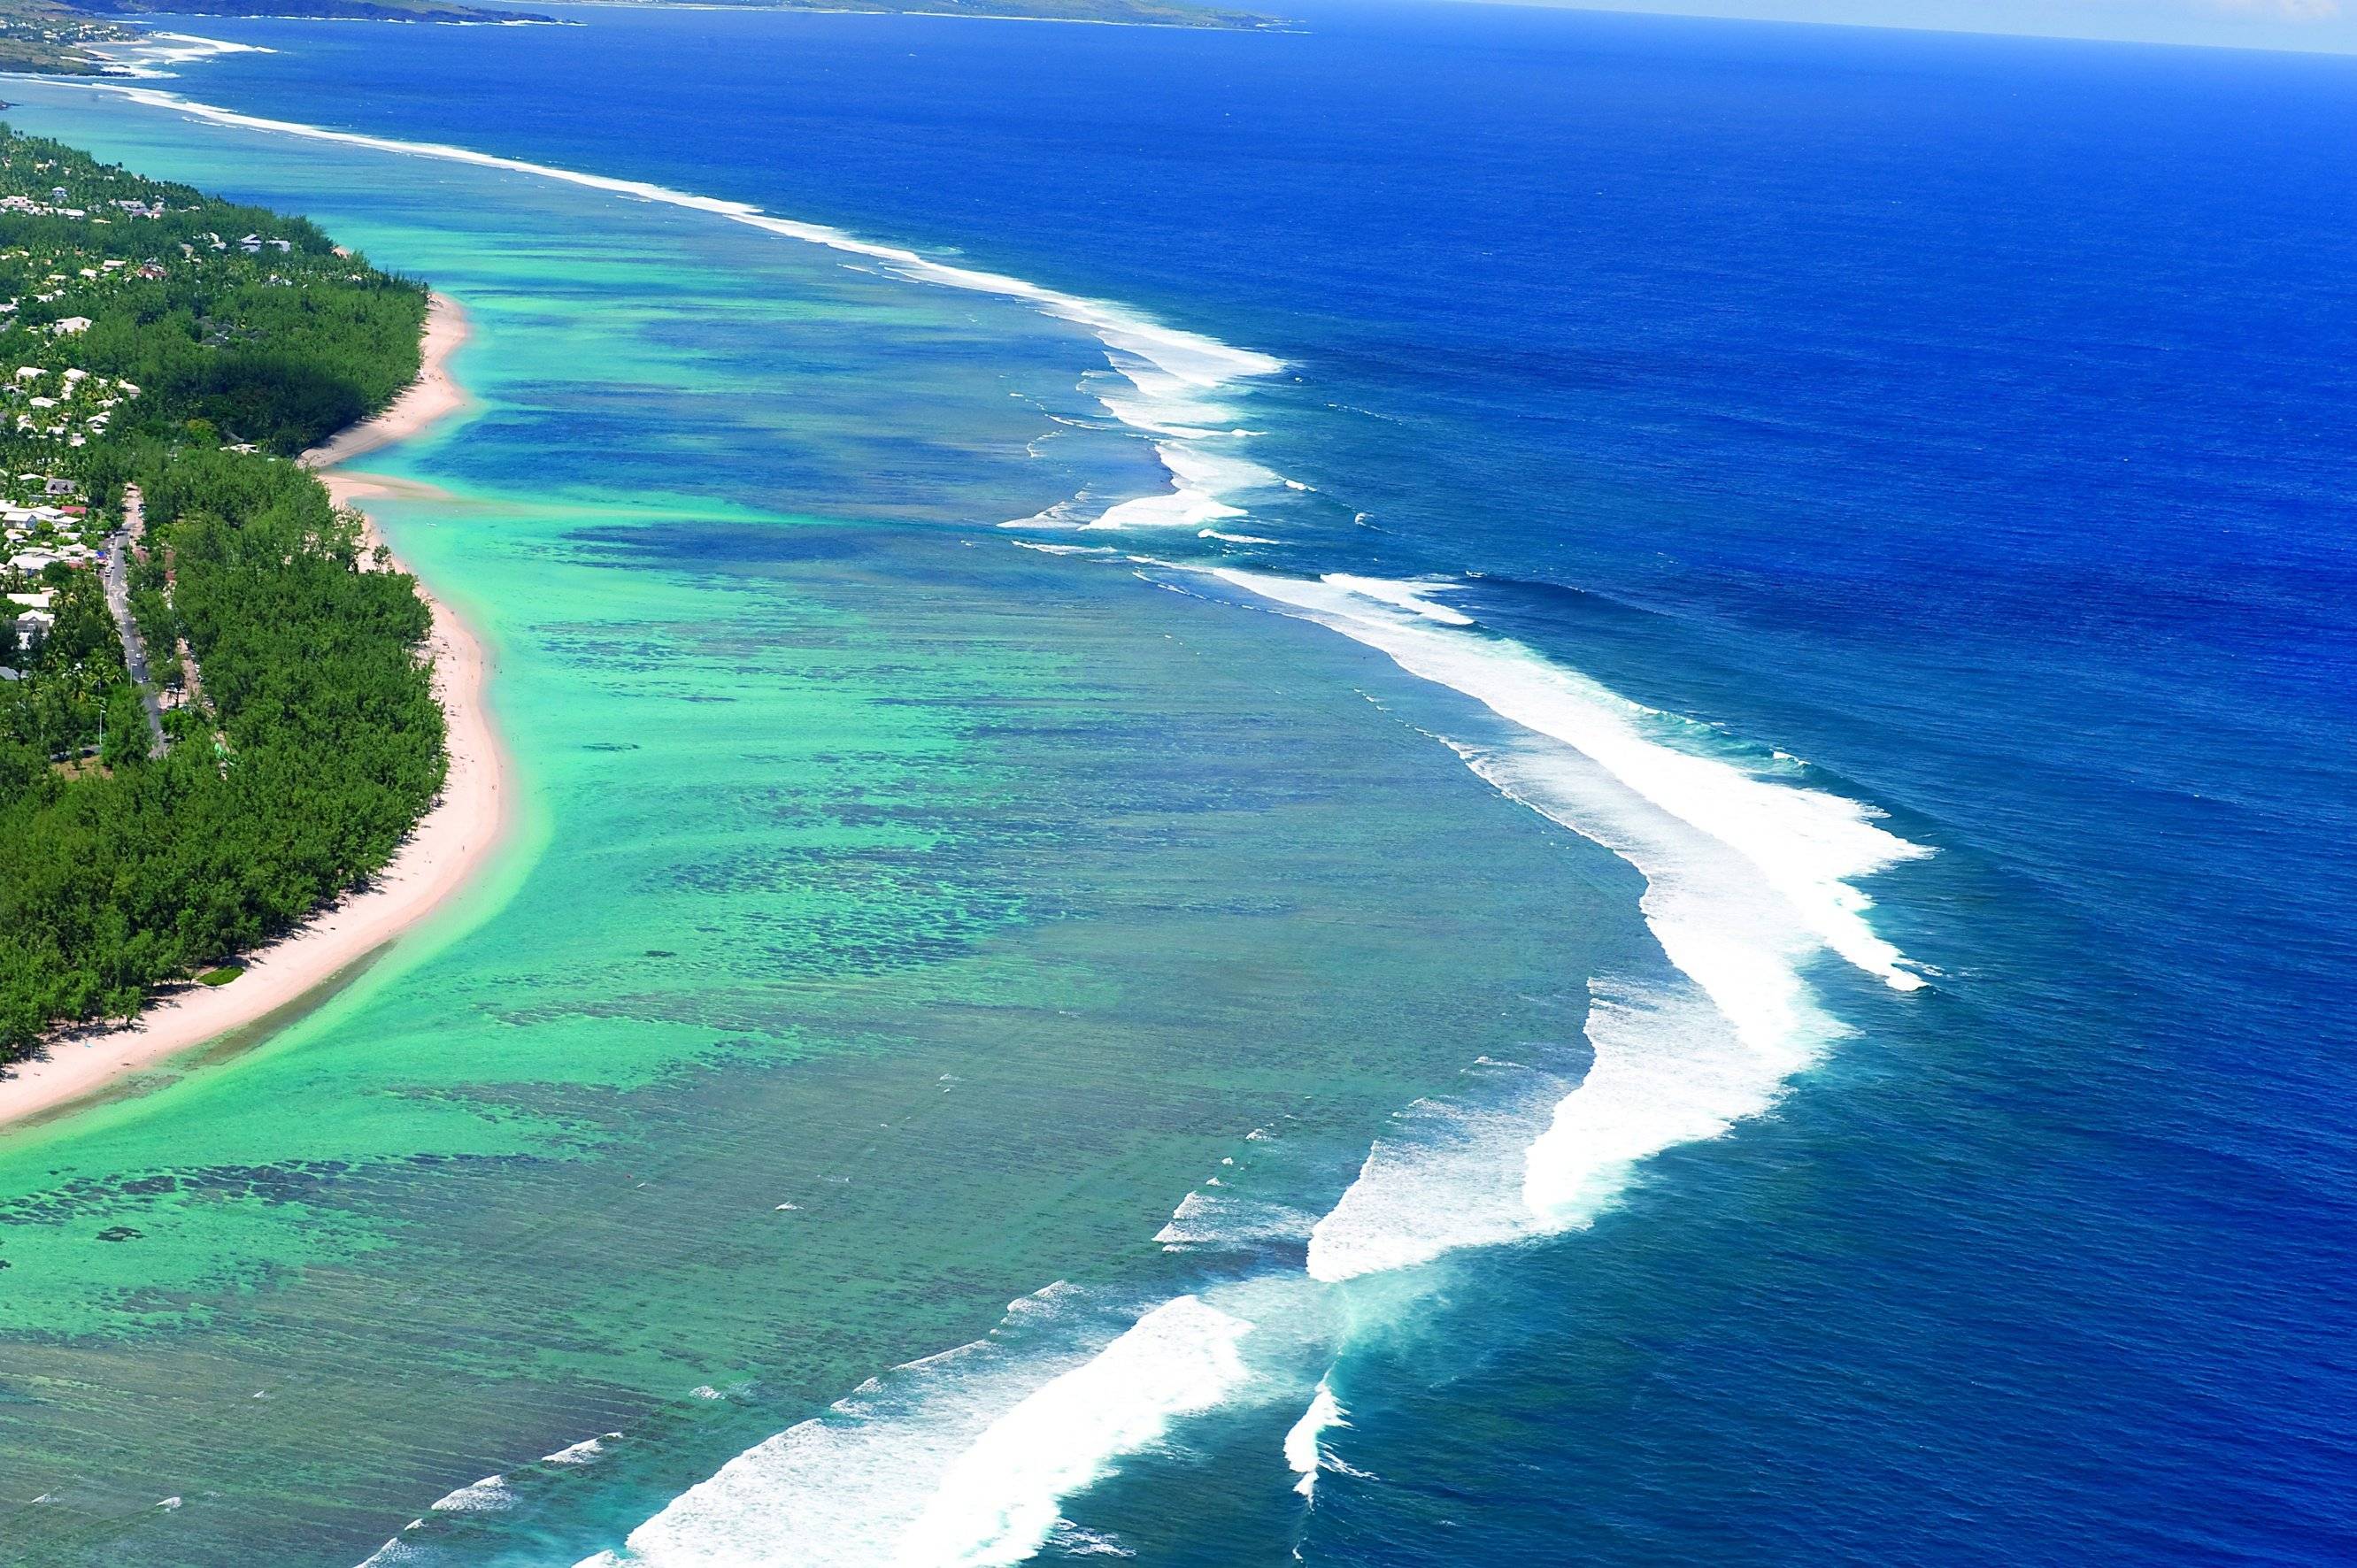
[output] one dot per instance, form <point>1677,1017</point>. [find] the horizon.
<point>2292,26</point>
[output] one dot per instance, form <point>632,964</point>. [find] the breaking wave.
<point>1751,877</point>
<point>1163,382</point>
<point>961,1458</point>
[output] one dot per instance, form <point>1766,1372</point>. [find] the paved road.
<point>118,599</point>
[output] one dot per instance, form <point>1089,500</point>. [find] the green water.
<point>974,902</point>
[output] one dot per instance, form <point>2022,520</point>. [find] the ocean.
<point>1477,786</point>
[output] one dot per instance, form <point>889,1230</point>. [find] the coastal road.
<point>118,600</point>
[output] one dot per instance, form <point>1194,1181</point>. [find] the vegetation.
<point>51,36</point>
<point>1136,12</point>
<point>189,347</point>
<point>350,10</point>
<point>48,38</point>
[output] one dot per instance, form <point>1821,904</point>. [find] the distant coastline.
<point>441,856</point>
<point>83,37</point>
<point>1099,12</point>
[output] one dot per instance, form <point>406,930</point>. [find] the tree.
<point>126,739</point>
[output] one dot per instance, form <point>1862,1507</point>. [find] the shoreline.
<point>438,859</point>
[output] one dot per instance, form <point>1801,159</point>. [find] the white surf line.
<point>1170,371</point>
<point>1749,879</point>
<point>1805,846</point>
<point>1304,1449</point>
<point>963,1458</point>
<point>1809,845</point>
<point>141,58</point>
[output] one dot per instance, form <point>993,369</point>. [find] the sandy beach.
<point>449,845</point>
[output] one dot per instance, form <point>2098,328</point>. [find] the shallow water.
<point>910,920</point>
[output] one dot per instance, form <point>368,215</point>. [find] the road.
<point>118,600</point>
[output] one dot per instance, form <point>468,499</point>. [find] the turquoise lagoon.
<point>902,922</point>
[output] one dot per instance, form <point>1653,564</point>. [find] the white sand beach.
<point>452,842</point>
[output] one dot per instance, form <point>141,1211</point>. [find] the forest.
<point>302,740</point>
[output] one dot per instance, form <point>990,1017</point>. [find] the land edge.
<point>440,857</point>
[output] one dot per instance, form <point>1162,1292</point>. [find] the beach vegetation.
<point>204,345</point>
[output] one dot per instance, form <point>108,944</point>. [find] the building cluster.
<point>59,204</point>
<point>46,524</point>
<point>72,273</point>
<point>54,207</point>
<point>70,405</point>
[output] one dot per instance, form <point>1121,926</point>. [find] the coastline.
<point>441,856</point>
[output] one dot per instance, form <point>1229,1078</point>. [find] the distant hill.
<point>42,35</point>
<point>362,10</point>
<point>1135,13</point>
<point>51,37</point>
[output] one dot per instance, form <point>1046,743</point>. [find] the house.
<point>59,488</point>
<point>34,626</point>
<point>71,326</point>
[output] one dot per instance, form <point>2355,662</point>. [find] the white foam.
<point>1748,878</point>
<point>1446,1174</point>
<point>1138,395</point>
<point>145,57</point>
<point>1214,1218</point>
<point>1062,514</point>
<point>1178,508</point>
<point>1808,845</point>
<point>999,1502</point>
<point>1415,598</point>
<point>963,1458</point>
<point>1070,1540</point>
<point>1304,1447</point>
<point>1668,1071</point>
<point>1524,1153</point>
<point>1165,376</point>
<point>582,1452</point>
<point>1197,467</point>
<point>1176,358</point>
<point>485,1496</point>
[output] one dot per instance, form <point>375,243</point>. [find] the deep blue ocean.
<point>1973,418</point>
